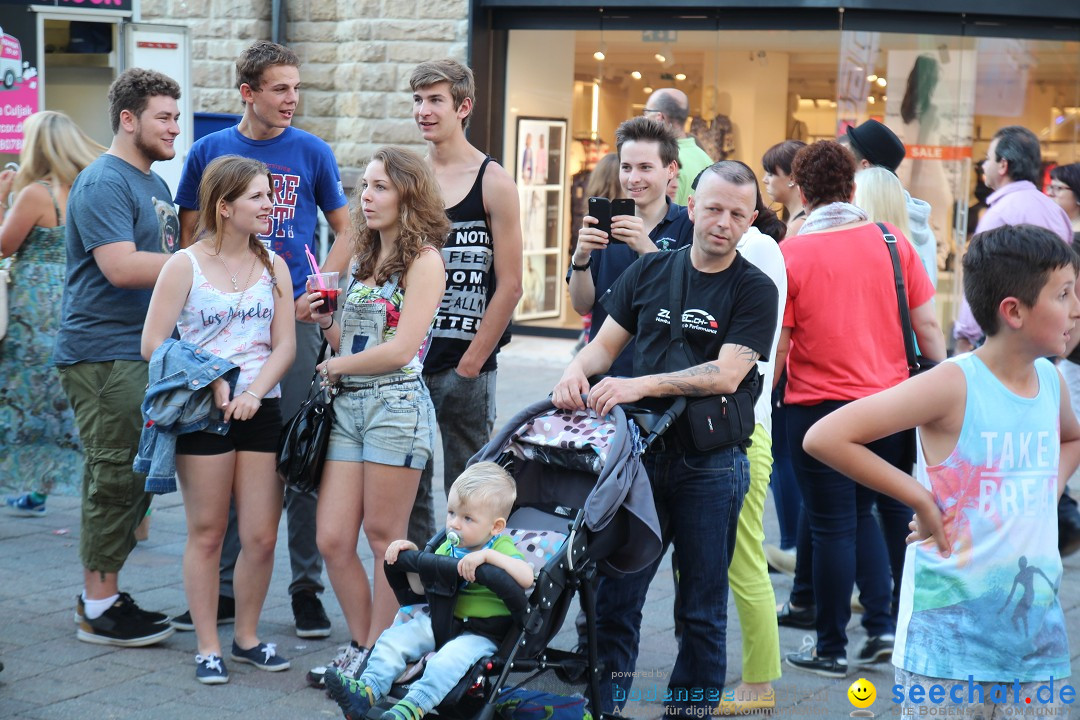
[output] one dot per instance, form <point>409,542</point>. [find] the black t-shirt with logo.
<point>735,306</point>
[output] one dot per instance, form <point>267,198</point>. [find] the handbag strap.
<point>901,299</point>
<point>679,269</point>
<point>315,375</point>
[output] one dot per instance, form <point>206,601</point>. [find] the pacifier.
<point>453,538</point>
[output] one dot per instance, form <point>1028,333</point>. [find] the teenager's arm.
<point>166,302</point>
<point>594,358</point>
<point>501,205</point>
<point>126,267</point>
<point>282,334</point>
<point>425,284</point>
<point>1070,440</point>
<point>783,346</point>
<point>337,260</point>
<point>17,222</point>
<point>188,220</point>
<point>933,402</point>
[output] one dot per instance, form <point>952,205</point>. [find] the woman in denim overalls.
<point>384,422</point>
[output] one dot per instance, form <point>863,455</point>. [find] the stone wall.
<point>357,56</point>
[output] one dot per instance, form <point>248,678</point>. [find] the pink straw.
<point>314,267</point>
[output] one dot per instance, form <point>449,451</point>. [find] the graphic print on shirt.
<point>281,217</point>
<point>468,259</point>
<point>378,314</point>
<point>692,319</point>
<point>168,223</point>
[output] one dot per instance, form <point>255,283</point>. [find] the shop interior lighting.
<point>647,89</point>
<point>660,57</point>
<point>600,52</point>
<point>871,100</point>
<point>680,76</point>
<point>871,78</point>
<point>882,82</point>
<point>636,75</point>
<point>594,121</point>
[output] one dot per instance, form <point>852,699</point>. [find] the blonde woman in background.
<point>879,192</point>
<point>38,437</point>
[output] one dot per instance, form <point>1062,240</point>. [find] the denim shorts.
<point>390,421</point>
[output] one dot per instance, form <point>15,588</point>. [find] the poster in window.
<point>539,168</point>
<point>18,79</point>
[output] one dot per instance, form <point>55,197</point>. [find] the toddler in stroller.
<point>583,505</point>
<point>480,500</point>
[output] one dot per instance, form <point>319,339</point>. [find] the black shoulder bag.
<point>916,363</point>
<point>306,437</point>
<point>718,421</point>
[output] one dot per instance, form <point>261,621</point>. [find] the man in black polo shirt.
<point>648,160</point>
<point>728,319</point>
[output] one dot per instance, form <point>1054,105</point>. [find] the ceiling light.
<point>599,54</point>
<point>636,75</point>
<point>882,82</point>
<point>871,100</point>
<point>871,78</point>
<point>660,58</point>
<point>647,88</point>
<point>680,76</point>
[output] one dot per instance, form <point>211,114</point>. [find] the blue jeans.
<point>412,640</point>
<point>698,498</point>
<point>785,488</point>
<point>845,536</point>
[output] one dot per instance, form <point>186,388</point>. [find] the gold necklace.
<point>232,275</point>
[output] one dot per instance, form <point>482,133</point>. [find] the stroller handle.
<point>439,576</point>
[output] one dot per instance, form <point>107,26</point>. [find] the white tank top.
<point>232,325</point>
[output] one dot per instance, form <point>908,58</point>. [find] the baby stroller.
<point>584,505</point>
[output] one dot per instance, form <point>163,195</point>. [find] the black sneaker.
<point>788,616</point>
<point>311,620</point>
<point>226,613</point>
<point>122,625</point>
<point>154,617</point>
<point>876,649</point>
<point>807,659</point>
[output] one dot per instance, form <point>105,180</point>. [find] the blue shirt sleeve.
<point>187,193</point>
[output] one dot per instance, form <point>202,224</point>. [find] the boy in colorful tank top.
<point>981,630</point>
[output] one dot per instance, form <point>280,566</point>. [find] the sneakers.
<point>403,710</point>
<point>807,659</point>
<point>26,505</point>
<point>782,561</point>
<point>311,620</point>
<point>349,660</point>
<point>154,617</point>
<point>210,670</point>
<point>352,696</point>
<point>263,656</point>
<point>226,613</point>
<point>875,649</point>
<point>123,625</point>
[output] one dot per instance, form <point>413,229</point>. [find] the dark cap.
<point>878,144</point>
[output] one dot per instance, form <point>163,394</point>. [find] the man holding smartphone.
<point>648,160</point>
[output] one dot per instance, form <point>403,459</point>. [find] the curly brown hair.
<point>132,90</point>
<point>225,179</point>
<point>825,172</point>
<point>422,218</point>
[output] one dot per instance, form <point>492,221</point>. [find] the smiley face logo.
<point>862,693</point>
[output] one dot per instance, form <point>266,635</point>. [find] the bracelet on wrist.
<point>581,268</point>
<point>248,392</point>
<point>324,329</point>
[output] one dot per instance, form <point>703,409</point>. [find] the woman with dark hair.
<point>1065,191</point>
<point>925,177</point>
<point>840,295</point>
<point>384,421</point>
<point>779,185</point>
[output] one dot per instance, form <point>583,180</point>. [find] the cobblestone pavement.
<point>49,674</point>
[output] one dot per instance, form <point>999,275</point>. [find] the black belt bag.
<point>718,421</point>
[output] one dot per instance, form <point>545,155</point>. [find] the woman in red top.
<point>842,337</point>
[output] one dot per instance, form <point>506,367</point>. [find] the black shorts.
<point>259,434</point>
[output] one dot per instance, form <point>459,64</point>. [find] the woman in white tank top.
<point>230,296</point>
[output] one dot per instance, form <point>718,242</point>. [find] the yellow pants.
<point>748,574</point>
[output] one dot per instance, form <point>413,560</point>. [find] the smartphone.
<point>623,206</point>
<point>600,208</point>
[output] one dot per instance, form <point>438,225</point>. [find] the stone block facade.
<point>357,56</point>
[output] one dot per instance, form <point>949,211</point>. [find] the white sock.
<point>94,609</point>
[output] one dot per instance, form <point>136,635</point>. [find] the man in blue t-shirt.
<point>306,179</point>
<point>121,228</point>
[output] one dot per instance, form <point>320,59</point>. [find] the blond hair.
<point>54,149</point>
<point>486,485</point>
<point>224,180</point>
<point>460,77</point>
<point>879,192</point>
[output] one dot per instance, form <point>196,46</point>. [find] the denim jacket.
<point>178,400</point>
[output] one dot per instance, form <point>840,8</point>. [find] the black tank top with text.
<point>470,282</point>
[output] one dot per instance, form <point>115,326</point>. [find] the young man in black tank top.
<point>483,276</point>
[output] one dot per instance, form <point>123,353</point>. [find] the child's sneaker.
<point>210,670</point>
<point>26,505</point>
<point>263,656</point>
<point>352,696</point>
<point>404,710</point>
